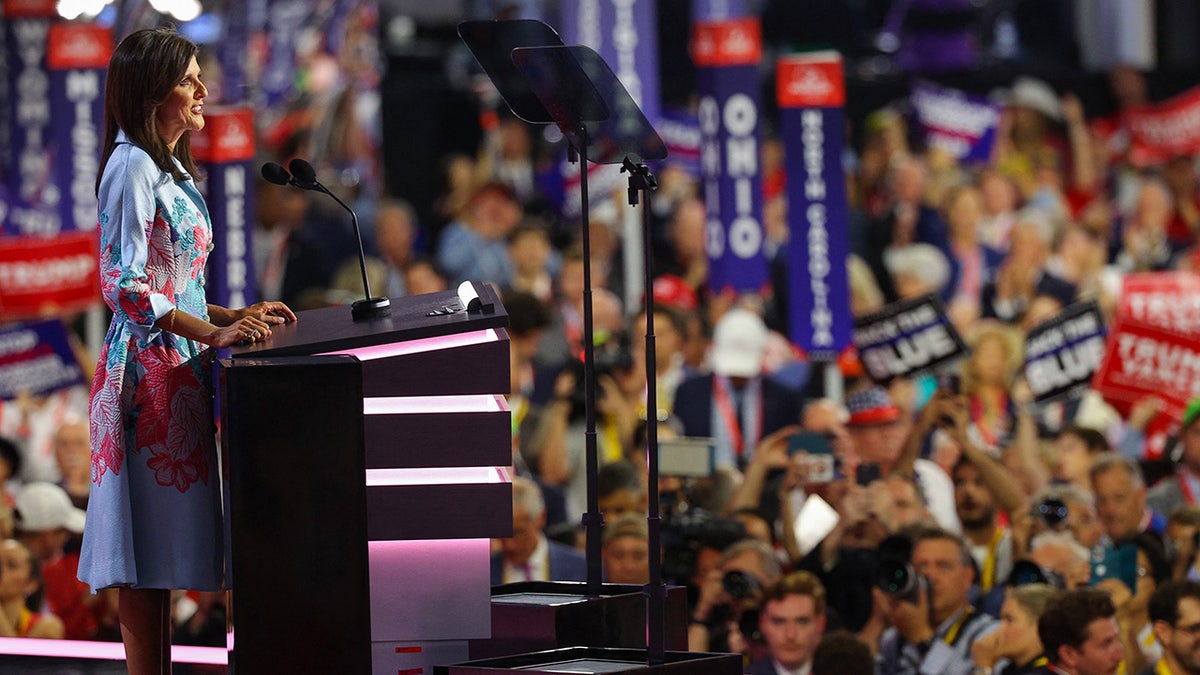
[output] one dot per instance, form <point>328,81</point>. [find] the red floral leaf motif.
<point>152,395</point>
<point>106,424</point>
<point>150,432</point>
<point>130,306</point>
<point>200,255</point>
<point>183,457</point>
<point>171,470</point>
<point>168,288</point>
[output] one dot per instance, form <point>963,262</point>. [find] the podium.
<point>364,466</point>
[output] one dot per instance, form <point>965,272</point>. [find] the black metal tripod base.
<point>370,308</point>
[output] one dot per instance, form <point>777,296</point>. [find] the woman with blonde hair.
<point>987,378</point>
<point>1015,648</point>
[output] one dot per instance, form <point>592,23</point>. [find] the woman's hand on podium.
<point>244,331</point>
<point>273,313</point>
<point>253,324</point>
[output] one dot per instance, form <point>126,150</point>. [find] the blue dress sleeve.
<point>127,214</point>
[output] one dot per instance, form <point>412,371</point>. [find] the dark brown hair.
<point>1164,604</point>
<point>1094,440</point>
<point>1068,617</point>
<point>841,652</point>
<point>143,71</point>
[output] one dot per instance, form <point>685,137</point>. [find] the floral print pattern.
<point>154,516</point>
<point>162,373</point>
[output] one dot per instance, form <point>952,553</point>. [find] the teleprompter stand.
<point>579,93</point>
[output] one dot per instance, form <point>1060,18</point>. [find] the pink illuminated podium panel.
<point>365,461</point>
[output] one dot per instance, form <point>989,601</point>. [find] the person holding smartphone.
<point>881,434</point>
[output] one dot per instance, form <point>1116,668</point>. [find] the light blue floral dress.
<point>154,515</point>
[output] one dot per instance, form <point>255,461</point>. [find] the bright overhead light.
<point>186,10</point>
<point>183,10</point>
<point>74,9</point>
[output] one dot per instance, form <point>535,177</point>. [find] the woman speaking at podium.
<point>154,517</point>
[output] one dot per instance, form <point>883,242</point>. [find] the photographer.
<point>1071,509</point>
<point>848,554</point>
<point>746,568</point>
<point>934,631</point>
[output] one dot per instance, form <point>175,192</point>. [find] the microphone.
<point>304,176</point>
<point>276,174</point>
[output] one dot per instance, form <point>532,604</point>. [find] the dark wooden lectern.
<point>362,460</point>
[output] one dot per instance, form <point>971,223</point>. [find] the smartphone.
<point>819,451</point>
<point>866,474</point>
<point>1116,562</point>
<point>951,383</point>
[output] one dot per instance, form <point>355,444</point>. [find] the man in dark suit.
<point>528,555</point>
<point>792,622</point>
<point>736,405</point>
<point>908,220</point>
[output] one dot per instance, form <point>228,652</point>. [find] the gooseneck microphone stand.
<point>370,306</point>
<point>304,176</point>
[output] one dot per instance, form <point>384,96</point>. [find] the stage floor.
<point>22,656</point>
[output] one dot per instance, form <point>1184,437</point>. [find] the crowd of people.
<point>976,530</point>
<point>1019,535</point>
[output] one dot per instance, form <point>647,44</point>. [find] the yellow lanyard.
<point>952,634</point>
<point>610,446</point>
<point>1161,668</point>
<point>989,564</point>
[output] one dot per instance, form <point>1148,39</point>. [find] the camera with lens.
<point>748,624</point>
<point>1053,512</point>
<point>895,575</point>
<point>740,585</point>
<point>685,533</point>
<point>1026,572</point>
<point>612,353</point>
<point>744,593</point>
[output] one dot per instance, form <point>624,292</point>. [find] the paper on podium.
<point>814,522</point>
